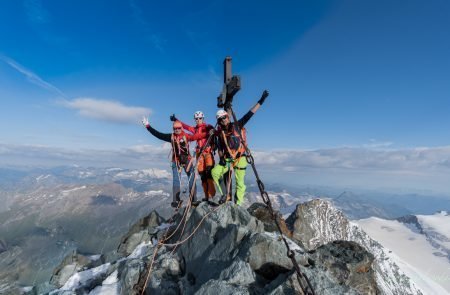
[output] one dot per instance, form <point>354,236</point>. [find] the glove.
<point>222,162</point>
<point>173,118</point>
<point>263,97</point>
<point>145,122</point>
<point>212,132</point>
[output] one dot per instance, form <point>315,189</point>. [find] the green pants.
<point>239,173</point>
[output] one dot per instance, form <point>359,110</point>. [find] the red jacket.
<point>198,131</point>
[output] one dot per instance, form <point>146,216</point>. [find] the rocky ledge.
<point>224,250</point>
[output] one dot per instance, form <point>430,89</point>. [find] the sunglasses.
<point>222,118</point>
<point>176,129</point>
<point>198,119</point>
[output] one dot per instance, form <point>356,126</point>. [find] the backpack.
<point>234,143</point>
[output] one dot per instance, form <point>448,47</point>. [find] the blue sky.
<point>345,78</point>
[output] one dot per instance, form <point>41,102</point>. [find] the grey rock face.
<point>128,273</point>
<point>165,275</point>
<point>71,264</point>
<point>412,220</point>
<point>349,264</point>
<point>142,231</point>
<point>226,250</point>
<point>262,213</point>
<point>3,246</point>
<point>317,223</point>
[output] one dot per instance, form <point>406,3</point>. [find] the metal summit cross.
<point>231,85</point>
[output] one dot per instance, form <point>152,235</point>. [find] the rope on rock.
<point>164,238</point>
<point>303,280</point>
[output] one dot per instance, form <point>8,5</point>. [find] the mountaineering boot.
<point>224,198</point>
<point>176,204</point>
<point>205,200</point>
<point>195,203</point>
<point>212,203</point>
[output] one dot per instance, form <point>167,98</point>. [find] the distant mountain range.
<point>45,214</point>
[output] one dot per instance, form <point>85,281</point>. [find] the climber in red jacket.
<point>205,160</point>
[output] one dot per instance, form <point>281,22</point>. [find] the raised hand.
<point>145,122</point>
<point>264,95</point>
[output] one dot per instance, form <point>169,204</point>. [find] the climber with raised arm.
<point>181,158</point>
<point>204,154</point>
<point>231,149</point>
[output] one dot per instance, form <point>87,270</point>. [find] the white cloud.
<point>416,168</point>
<point>131,157</point>
<point>32,77</point>
<point>106,110</point>
<point>415,159</point>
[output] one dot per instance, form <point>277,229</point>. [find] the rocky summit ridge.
<point>231,250</point>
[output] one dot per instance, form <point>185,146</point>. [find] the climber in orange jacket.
<point>181,157</point>
<point>205,158</point>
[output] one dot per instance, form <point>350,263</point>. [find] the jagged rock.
<point>238,273</point>
<point>312,225</point>
<point>317,222</point>
<point>267,257</point>
<point>43,288</point>
<point>214,246</point>
<point>110,256</point>
<point>129,273</point>
<point>214,287</point>
<point>142,231</point>
<point>262,213</point>
<point>259,258</point>
<point>165,275</point>
<point>349,264</point>
<point>226,250</point>
<point>285,284</point>
<point>70,265</point>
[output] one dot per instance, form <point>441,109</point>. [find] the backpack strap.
<point>233,155</point>
<point>174,151</point>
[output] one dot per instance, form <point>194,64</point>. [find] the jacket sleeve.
<point>188,127</point>
<point>242,121</point>
<point>163,136</point>
<point>196,136</point>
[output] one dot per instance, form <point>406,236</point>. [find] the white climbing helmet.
<point>198,114</point>
<point>221,113</point>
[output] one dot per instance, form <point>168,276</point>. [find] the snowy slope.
<point>412,251</point>
<point>437,230</point>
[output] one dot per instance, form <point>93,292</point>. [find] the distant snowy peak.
<point>42,177</point>
<point>145,173</point>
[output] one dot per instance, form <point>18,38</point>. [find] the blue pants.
<point>176,182</point>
